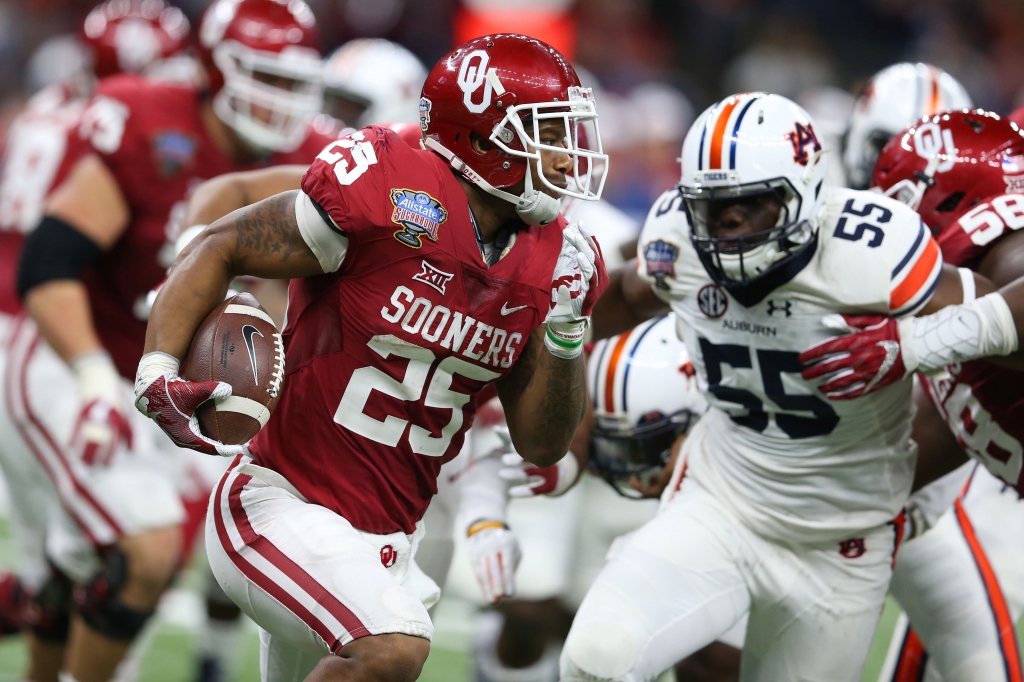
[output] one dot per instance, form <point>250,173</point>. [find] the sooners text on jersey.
<point>386,355</point>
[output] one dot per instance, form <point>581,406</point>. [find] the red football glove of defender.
<point>861,362</point>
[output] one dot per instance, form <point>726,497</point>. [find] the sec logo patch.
<point>712,301</point>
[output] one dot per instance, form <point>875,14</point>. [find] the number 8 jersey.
<point>386,352</point>
<point>794,465</point>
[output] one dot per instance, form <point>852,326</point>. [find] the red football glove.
<point>172,403</point>
<point>858,363</point>
<point>530,480</point>
<point>102,427</point>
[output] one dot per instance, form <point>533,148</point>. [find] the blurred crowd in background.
<point>654,63</point>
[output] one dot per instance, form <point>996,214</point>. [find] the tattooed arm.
<point>262,240</point>
<point>544,400</point>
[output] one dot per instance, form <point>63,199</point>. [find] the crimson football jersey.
<point>35,161</point>
<point>151,137</point>
<point>981,401</point>
<point>385,355</point>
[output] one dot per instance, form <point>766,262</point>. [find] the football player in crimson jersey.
<point>418,277</point>
<point>100,246</point>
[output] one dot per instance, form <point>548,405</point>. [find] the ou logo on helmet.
<point>472,74</point>
<point>930,141</point>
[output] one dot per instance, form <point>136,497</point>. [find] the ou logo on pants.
<point>472,74</point>
<point>388,556</point>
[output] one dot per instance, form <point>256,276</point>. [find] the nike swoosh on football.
<point>505,310</point>
<point>247,333</point>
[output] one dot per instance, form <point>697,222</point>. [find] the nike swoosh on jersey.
<point>248,331</point>
<point>505,310</point>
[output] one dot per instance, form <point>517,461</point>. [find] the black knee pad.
<point>47,613</point>
<point>115,620</point>
<point>98,603</point>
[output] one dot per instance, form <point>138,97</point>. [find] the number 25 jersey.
<point>793,464</point>
<point>386,353</point>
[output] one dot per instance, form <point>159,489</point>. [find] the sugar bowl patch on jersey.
<point>419,214</point>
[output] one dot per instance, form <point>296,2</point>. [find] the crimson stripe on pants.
<point>266,549</point>
<point>58,471</point>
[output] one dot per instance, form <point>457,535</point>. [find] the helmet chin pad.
<point>537,208</point>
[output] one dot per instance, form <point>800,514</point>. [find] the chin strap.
<point>532,207</point>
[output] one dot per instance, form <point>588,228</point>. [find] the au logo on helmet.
<point>802,137</point>
<point>419,214</point>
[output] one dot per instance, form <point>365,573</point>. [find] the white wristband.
<point>976,329</point>
<point>97,377</point>
<point>152,366</point>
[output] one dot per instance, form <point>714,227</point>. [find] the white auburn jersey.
<point>793,464</point>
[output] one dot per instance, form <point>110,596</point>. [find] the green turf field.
<point>168,654</point>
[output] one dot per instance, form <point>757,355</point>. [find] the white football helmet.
<point>645,394</point>
<point>381,78</point>
<point>894,98</point>
<point>740,150</point>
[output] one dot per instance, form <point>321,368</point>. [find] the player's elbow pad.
<point>54,251</point>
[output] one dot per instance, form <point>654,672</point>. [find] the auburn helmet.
<point>749,148</point>
<point>894,98</point>
<point>501,88</point>
<point>265,69</point>
<point>130,35</point>
<point>645,394</point>
<point>946,163</point>
<point>372,80</point>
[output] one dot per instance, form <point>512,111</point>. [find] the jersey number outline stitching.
<point>361,152</point>
<point>987,221</point>
<point>773,364</point>
<point>885,215</point>
<point>389,432</point>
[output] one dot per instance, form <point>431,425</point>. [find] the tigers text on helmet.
<point>265,69</point>
<point>376,76</point>
<point>130,35</point>
<point>894,98</point>
<point>645,394</point>
<point>744,152</point>
<point>946,163</point>
<point>501,88</point>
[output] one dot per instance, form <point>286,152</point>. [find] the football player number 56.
<point>389,432</point>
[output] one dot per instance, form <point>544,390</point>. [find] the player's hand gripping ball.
<point>229,385</point>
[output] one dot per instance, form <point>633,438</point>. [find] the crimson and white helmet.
<point>377,78</point>
<point>645,394</point>
<point>894,98</point>
<point>265,69</point>
<point>746,146</point>
<point>501,87</point>
<point>131,35</point>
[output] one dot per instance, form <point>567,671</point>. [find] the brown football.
<point>238,344</point>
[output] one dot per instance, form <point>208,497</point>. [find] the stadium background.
<point>658,63</point>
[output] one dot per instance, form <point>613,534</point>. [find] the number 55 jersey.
<point>792,464</point>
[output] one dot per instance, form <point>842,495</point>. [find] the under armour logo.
<point>785,307</point>
<point>388,556</point>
